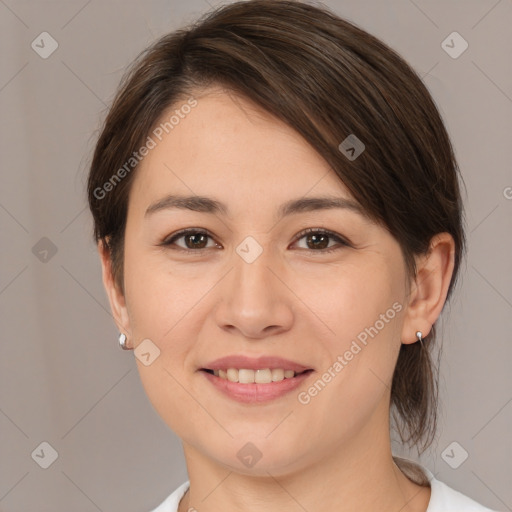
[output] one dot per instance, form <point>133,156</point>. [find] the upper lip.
<point>254,363</point>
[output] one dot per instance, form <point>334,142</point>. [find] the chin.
<point>259,456</point>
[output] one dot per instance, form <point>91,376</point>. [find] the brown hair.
<point>327,79</point>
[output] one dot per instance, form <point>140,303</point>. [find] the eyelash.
<point>198,231</point>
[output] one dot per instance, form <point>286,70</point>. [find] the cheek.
<point>351,299</point>
<point>160,310</point>
<point>360,308</point>
<point>156,294</point>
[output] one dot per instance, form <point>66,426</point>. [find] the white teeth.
<point>247,376</point>
<point>277,374</point>
<point>263,376</point>
<point>232,375</point>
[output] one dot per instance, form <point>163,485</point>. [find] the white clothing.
<point>442,498</point>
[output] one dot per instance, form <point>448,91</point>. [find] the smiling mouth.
<point>249,376</point>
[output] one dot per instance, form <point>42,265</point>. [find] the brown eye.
<point>194,239</point>
<point>317,240</point>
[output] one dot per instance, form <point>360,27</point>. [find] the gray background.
<point>63,378</point>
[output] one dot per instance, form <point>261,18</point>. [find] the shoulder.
<point>442,497</point>
<point>445,499</point>
<point>170,504</point>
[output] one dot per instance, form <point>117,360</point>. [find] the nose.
<point>255,300</point>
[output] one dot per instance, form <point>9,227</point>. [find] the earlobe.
<point>115,295</point>
<point>430,287</point>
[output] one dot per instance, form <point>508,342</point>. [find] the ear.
<point>115,295</point>
<point>429,288</point>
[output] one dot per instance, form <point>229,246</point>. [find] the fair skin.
<point>295,301</point>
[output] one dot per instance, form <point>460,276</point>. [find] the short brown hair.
<point>327,79</point>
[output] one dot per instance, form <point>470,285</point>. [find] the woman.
<point>278,215</point>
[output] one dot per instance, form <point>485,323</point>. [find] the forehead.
<point>226,146</point>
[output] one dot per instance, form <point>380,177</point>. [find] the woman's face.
<point>255,286</point>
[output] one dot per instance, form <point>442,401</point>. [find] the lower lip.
<point>256,393</point>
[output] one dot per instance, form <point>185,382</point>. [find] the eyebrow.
<point>208,205</point>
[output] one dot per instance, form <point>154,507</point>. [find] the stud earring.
<point>122,342</point>
<point>419,335</point>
